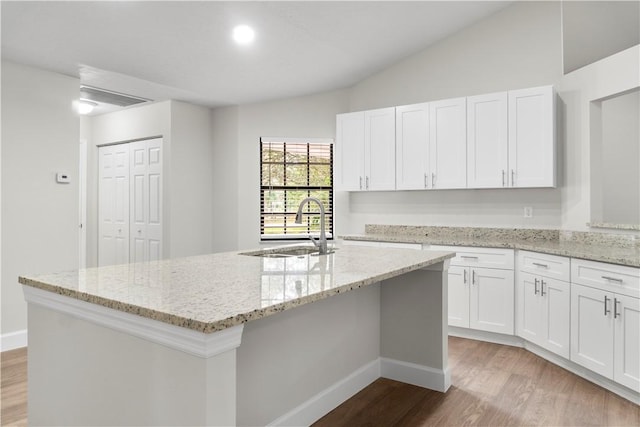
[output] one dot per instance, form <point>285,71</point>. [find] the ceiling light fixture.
<point>243,34</point>
<point>85,107</point>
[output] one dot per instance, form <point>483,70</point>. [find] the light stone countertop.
<point>212,292</point>
<point>603,252</point>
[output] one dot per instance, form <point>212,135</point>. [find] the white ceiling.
<point>183,50</point>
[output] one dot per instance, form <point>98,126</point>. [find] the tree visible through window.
<point>290,171</point>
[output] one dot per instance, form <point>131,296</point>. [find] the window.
<point>290,171</point>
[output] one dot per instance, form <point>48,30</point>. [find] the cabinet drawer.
<point>552,266</point>
<point>608,277</point>
<point>479,257</point>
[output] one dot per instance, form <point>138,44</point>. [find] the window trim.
<point>288,237</point>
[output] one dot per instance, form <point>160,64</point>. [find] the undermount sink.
<point>286,252</point>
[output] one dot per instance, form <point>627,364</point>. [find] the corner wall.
<point>40,136</point>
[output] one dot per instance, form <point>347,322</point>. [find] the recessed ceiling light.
<point>243,34</point>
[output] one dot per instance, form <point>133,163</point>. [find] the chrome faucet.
<point>321,243</point>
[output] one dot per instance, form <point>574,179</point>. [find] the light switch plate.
<point>528,212</point>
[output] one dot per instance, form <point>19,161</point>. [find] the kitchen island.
<point>233,338</point>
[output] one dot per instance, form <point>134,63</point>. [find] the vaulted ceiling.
<point>183,50</point>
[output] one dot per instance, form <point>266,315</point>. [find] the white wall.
<point>40,136</point>
<point>619,161</point>
<point>191,176</point>
<point>224,131</point>
<point>613,75</point>
<point>309,116</point>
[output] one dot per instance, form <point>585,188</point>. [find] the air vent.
<point>109,97</point>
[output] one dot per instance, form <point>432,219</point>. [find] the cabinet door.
<point>627,342</point>
<point>458,296</point>
<point>592,329</point>
<point>349,152</point>
<point>492,300</point>
<point>380,149</point>
<point>532,143</point>
<point>530,309</point>
<point>556,300</point>
<point>412,147</point>
<point>448,143</point>
<point>487,160</point>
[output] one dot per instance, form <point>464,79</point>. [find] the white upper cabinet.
<point>487,155</point>
<point>412,147</point>
<point>532,144</point>
<point>380,149</point>
<point>365,150</point>
<point>448,143</point>
<point>497,140</point>
<point>349,151</point>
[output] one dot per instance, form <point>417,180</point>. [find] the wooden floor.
<point>13,376</point>
<point>493,385</point>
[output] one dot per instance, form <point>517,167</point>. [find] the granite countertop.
<point>212,292</point>
<point>603,251</point>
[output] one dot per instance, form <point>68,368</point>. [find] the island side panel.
<point>289,364</point>
<point>81,373</point>
<point>413,328</point>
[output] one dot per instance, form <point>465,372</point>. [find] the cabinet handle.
<point>433,179</point>
<point>542,292</point>
<point>535,286</point>
<point>473,277</point>
<point>425,180</point>
<point>615,308</point>
<point>468,256</point>
<point>613,279</point>
<point>513,177</point>
<point>366,183</point>
<point>605,305</point>
<point>537,264</point>
<point>503,174</point>
<point>361,183</point>
<point>465,277</point>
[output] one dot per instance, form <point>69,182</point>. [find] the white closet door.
<point>146,200</point>
<point>113,205</point>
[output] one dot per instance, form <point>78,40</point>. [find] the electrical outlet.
<point>528,212</point>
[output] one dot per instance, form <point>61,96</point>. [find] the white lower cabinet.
<point>481,292</point>
<point>605,321</point>
<point>543,301</point>
<point>491,305</point>
<point>458,296</point>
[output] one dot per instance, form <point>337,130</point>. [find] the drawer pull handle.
<point>605,305</point>
<point>615,308</point>
<point>542,292</point>
<point>468,257</point>
<point>535,286</point>
<point>537,264</point>
<point>613,279</point>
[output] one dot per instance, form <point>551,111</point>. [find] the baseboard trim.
<point>412,373</point>
<point>493,337</point>
<point>327,400</point>
<point>583,372</point>
<point>13,340</point>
